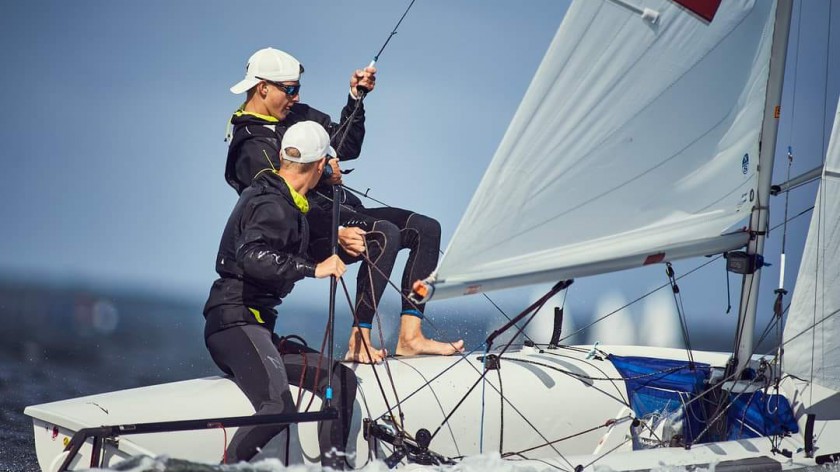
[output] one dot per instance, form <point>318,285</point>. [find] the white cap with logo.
<point>268,64</point>
<point>308,137</point>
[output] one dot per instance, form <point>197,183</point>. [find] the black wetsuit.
<point>389,229</point>
<point>261,255</point>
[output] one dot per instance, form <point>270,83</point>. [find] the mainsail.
<point>812,331</point>
<point>636,142</point>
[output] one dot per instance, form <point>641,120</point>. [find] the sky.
<point>113,152</point>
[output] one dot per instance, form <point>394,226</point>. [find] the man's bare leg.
<point>412,342</point>
<point>360,349</point>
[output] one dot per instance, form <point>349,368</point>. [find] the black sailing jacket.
<point>256,141</point>
<point>263,252</point>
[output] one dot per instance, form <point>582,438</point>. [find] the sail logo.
<point>745,164</point>
<point>705,9</point>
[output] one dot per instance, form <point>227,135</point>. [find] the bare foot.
<point>360,349</point>
<point>412,342</point>
<point>423,345</point>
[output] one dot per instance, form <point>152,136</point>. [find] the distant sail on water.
<point>812,330</point>
<point>636,142</point>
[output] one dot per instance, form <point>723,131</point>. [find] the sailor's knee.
<point>275,407</point>
<point>427,227</point>
<point>385,233</point>
<point>387,228</point>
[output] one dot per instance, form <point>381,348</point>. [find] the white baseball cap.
<point>268,64</point>
<point>308,137</point>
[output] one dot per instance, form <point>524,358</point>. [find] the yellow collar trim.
<point>258,115</point>
<point>300,201</point>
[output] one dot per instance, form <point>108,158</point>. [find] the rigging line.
<point>651,292</point>
<point>764,334</point>
<point>663,373</point>
<point>569,348</point>
<point>536,430</point>
<point>515,409</point>
<point>728,291</point>
<point>317,371</point>
<point>487,347</point>
<point>727,378</point>
<point>521,328</point>
<point>773,323</point>
<point>483,389</point>
<point>595,366</point>
<point>409,301</point>
<point>780,353</point>
<point>582,378</point>
<point>534,307</point>
<point>484,295</point>
<point>501,413</point>
<point>429,382</point>
<point>801,213</point>
<point>816,274</point>
<point>344,126</point>
<point>437,399</point>
<point>367,349</point>
<point>825,87</point>
<point>820,228</point>
<point>608,452</point>
<point>381,340</point>
<point>521,415</point>
<point>785,219</point>
<point>718,414</point>
<point>365,194</point>
<point>620,398</point>
<point>362,91</point>
<point>394,32</point>
<point>795,73</point>
<point>701,396</point>
<point>571,436</point>
<point>811,328</point>
<point>505,314</point>
<point>524,418</point>
<point>675,289</point>
<point>780,292</point>
<point>397,289</point>
<point>460,402</point>
<point>685,328</point>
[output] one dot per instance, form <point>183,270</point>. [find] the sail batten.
<point>632,139</point>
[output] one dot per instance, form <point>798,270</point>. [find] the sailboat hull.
<point>550,395</point>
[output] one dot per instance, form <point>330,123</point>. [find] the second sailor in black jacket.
<point>262,254</point>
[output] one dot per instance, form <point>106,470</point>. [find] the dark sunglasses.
<point>290,90</point>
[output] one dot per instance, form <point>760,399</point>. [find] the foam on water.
<point>478,463</point>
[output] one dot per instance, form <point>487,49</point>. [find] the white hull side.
<point>555,403</point>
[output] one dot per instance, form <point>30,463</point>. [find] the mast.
<point>744,338</point>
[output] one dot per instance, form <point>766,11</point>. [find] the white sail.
<point>636,142</point>
<point>812,331</point>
